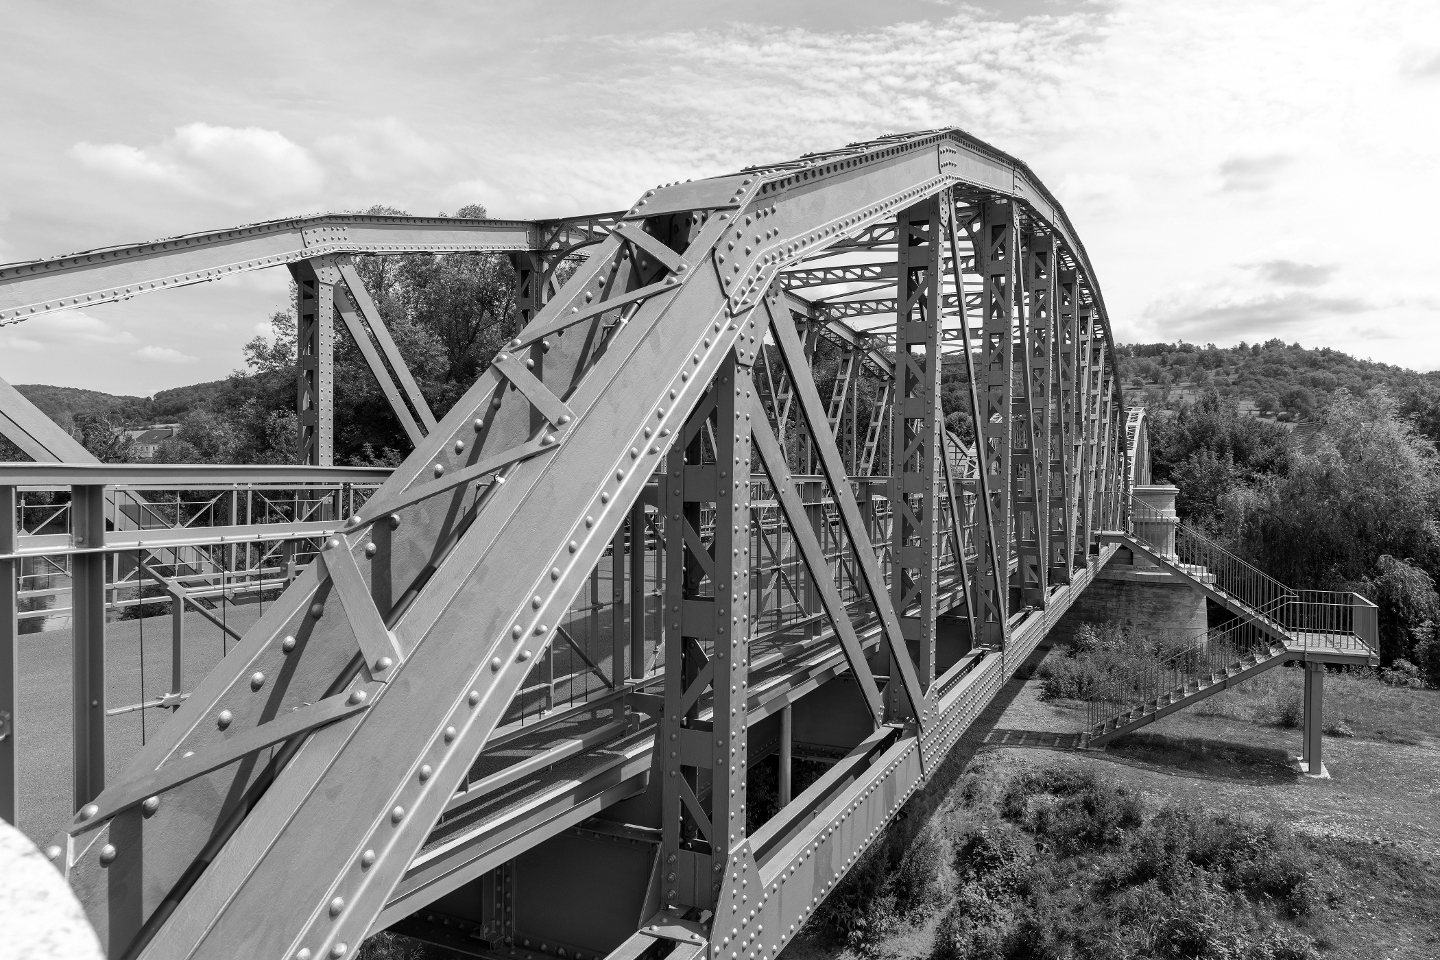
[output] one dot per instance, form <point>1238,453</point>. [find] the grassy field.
<point>1344,868</point>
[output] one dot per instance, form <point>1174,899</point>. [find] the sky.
<point>1238,169</point>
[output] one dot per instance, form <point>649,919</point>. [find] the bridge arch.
<point>789,569</point>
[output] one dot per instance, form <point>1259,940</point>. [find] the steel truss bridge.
<point>703,511</point>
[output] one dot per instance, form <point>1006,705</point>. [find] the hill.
<point>1273,380</point>
<point>64,404</point>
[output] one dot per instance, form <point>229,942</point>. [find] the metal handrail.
<point>1227,572</point>
<point>1219,651</point>
<point>1307,621</point>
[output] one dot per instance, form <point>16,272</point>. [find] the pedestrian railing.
<point>1272,619</point>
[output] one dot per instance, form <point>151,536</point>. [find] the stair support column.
<point>1310,759</point>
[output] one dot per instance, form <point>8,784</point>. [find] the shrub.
<point>1402,673</point>
<point>1339,727</point>
<point>1087,820</point>
<point>1281,707</point>
<point>1069,679</point>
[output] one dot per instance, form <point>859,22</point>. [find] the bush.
<point>1069,679</point>
<point>1281,707</point>
<point>1402,673</point>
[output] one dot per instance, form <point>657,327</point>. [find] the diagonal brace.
<point>773,459</point>
<point>122,796</point>
<point>793,353</point>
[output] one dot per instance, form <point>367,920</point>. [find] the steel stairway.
<point>1273,624</point>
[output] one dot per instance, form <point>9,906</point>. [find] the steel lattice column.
<point>315,282</point>
<point>1062,440</point>
<point>706,644</point>
<point>530,292</point>
<point>995,259</point>
<point>915,436</point>
<point>1033,491</point>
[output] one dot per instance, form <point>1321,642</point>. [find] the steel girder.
<point>118,273</point>
<point>285,803</point>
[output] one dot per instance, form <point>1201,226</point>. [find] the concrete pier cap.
<point>1153,518</point>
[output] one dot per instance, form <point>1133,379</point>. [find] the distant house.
<point>147,440</point>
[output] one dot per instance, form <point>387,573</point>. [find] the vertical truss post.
<point>9,661</point>
<point>619,640</point>
<point>915,436</point>
<point>1062,441</point>
<point>87,618</point>
<point>1033,491</point>
<point>177,641</point>
<point>988,608</point>
<point>835,413</point>
<point>706,645</point>
<point>1084,408</point>
<point>879,410</point>
<point>529,284</point>
<point>995,256</point>
<point>1095,430</point>
<point>315,282</point>
<point>637,591</point>
<point>1104,483</point>
<point>787,749</point>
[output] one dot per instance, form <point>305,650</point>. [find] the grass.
<point>1195,837</point>
<point>1356,704</point>
<point>1051,861</point>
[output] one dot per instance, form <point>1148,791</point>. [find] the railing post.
<point>87,620</point>
<point>9,659</point>
<point>787,747</point>
<point>177,643</point>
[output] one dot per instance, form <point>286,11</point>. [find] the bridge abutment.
<point>1132,590</point>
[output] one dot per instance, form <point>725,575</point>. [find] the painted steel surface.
<point>428,612</point>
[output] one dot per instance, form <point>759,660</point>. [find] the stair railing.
<point>1331,620</point>
<point>1225,571</point>
<point>1210,656</point>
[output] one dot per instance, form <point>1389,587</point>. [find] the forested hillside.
<point>1349,502</point>
<point>1285,383</point>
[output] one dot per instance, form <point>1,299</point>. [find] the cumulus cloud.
<point>384,150</point>
<point>163,354</point>
<point>1294,274</point>
<point>240,166</point>
<point>1251,173</point>
<point>72,327</point>
<point>1248,315</point>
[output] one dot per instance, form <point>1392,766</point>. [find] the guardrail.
<point>1226,571</point>
<point>1302,622</point>
<point>1198,658</point>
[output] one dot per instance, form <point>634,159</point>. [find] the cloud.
<point>384,150</point>
<point>1248,315</point>
<point>15,341</point>
<point>163,355</point>
<point>239,166</point>
<point>65,330</point>
<point>73,327</point>
<point>1422,66</point>
<point>1294,274</point>
<point>1251,173</point>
